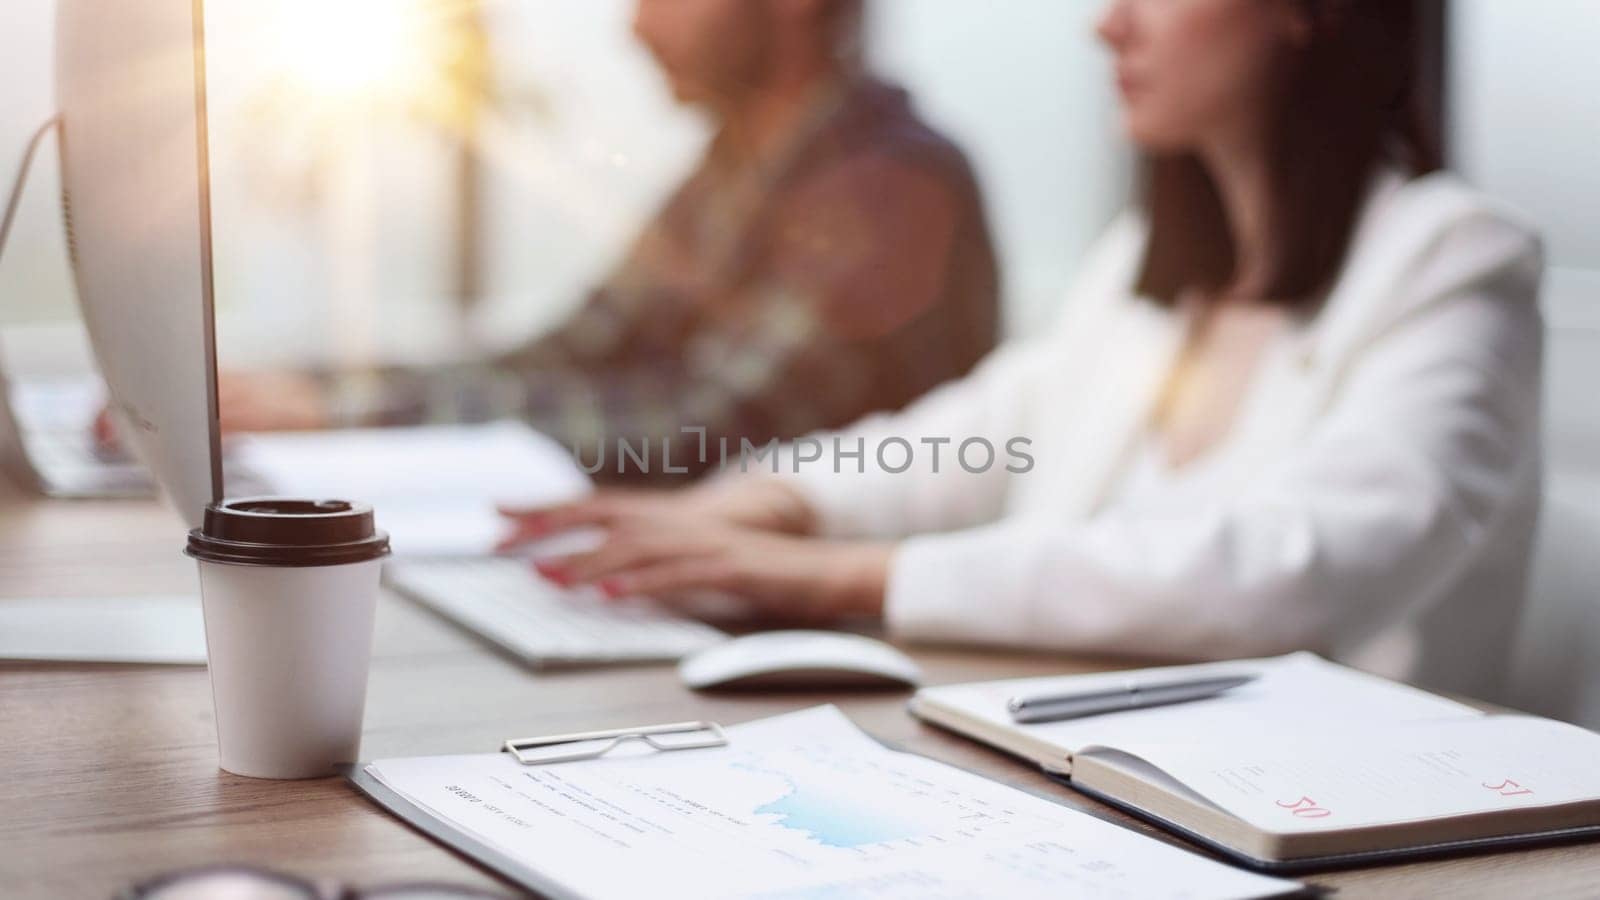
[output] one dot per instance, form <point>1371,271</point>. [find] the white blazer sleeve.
<point>1429,440</point>
<point>866,497</point>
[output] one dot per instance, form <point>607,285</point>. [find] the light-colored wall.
<point>1525,112</point>
<point>1526,103</point>
<point>34,279</point>
<point>1028,94</point>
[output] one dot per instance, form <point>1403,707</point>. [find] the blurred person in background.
<point>828,258</point>
<point>1292,402</point>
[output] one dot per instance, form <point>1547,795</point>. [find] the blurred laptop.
<point>46,443</point>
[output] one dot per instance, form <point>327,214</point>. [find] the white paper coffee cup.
<point>289,590</point>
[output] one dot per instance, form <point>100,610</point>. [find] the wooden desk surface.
<point>110,771</point>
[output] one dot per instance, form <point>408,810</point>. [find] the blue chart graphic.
<point>835,821</point>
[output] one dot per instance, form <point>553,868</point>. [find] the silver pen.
<point>1052,707</point>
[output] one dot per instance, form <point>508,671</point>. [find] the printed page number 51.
<point>1508,788</point>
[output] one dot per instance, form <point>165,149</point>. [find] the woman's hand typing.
<point>747,538</point>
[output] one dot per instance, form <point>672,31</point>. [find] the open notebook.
<point>1311,766</point>
<point>434,487</point>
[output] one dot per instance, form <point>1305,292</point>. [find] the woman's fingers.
<point>666,578</point>
<point>789,576</point>
<point>104,429</point>
<point>615,511</point>
<point>532,523</point>
<point>619,555</point>
<point>801,578</point>
<point>590,510</point>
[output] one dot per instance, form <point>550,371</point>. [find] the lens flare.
<point>353,51</point>
<point>328,77</point>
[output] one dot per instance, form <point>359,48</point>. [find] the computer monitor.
<point>130,82</point>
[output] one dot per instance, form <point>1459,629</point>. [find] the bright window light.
<point>383,55</point>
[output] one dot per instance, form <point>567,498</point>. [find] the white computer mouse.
<point>799,659</point>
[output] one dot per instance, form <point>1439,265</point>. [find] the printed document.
<point>798,806</point>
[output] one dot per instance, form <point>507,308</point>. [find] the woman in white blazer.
<point>1292,402</point>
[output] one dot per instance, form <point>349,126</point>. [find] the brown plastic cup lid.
<point>284,531</point>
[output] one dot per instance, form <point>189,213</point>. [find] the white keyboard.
<point>504,601</point>
<point>71,463</point>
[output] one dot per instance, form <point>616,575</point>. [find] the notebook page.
<point>799,806</point>
<point>1423,770</point>
<point>1294,692</point>
<point>434,488</point>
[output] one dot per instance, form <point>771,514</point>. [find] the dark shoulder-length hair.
<point>1363,92</point>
